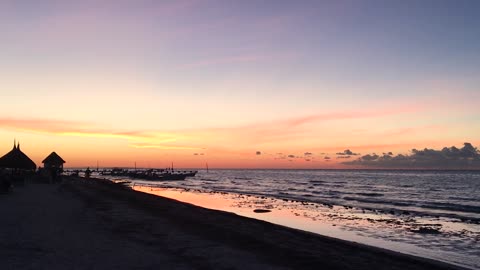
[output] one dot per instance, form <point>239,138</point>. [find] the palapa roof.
<point>16,159</point>
<point>53,158</point>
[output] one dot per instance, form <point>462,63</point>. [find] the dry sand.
<point>90,224</point>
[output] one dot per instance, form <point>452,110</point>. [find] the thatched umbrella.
<point>16,159</point>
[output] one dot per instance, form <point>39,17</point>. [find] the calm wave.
<point>434,214</point>
<point>436,193</point>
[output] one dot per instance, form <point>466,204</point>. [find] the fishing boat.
<point>161,175</point>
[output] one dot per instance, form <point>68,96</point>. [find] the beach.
<point>93,224</point>
<point>403,211</point>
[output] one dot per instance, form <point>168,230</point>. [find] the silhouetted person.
<point>88,172</point>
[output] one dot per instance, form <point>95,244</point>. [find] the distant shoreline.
<point>287,169</point>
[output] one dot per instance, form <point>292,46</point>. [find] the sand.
<point>91,224</point>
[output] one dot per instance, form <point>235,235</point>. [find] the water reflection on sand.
<point>423,236</point>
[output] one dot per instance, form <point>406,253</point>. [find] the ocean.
<point>434,214</point>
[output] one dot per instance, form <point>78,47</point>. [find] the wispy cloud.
<point>370,146</point>
<point>299,126</point>
<point>105,134</point>
<point>41,125</point>
<point>341,115</point>
<point>283,132</point>
<point>107,22</point>
<point>81,129</point>
<point>412,130</point>
<point>224,60</point>
<point>251,57</point>
<point>163,147</point>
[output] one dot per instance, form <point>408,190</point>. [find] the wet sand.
<point>91,224</point>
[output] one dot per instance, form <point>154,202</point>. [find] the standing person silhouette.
<point>88,172</point>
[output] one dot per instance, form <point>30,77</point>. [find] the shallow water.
<point>431,214</point>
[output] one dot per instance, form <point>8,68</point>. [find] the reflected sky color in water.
<point>457,243</point>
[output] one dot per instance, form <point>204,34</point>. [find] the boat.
<point>161,175</point>
<point>114,172</point>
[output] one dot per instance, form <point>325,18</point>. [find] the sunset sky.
<point>254,84</point>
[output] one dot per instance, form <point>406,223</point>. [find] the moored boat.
<point>162,175</point>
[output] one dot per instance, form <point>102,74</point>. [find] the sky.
<point>238,84</point>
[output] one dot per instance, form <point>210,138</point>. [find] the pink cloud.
<point>63,127</point>
<point>343,115</point>
<point>81,23</point>
<point>243,58</point>
<point>281,132</point>
<point>285,131</point>
<point>225,60</point>
<point>163,146</point>
<point>39,124</point>
<point>412,130</point>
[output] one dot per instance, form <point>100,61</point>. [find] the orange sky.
<point>282,143</point>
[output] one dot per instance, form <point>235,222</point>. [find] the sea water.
<point>435,214</point>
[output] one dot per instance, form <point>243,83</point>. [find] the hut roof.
<point>16,159</point>
<point>53,158</point>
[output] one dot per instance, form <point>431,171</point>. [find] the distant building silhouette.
<point>53,165</point>
<point>53,162</point>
